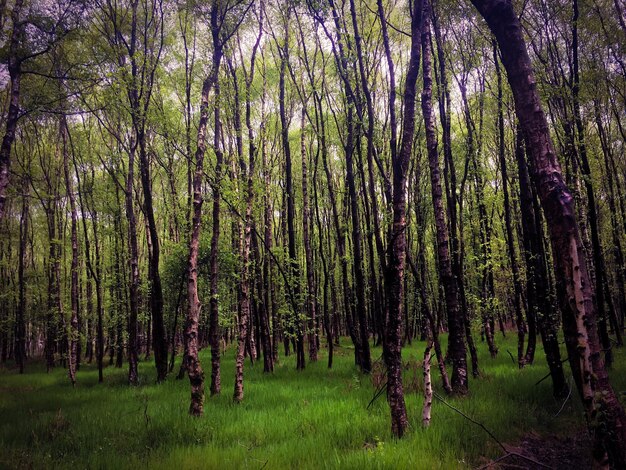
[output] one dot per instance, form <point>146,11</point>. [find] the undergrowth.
<point>316,418</point>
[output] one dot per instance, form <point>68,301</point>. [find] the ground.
<point>317,418</point>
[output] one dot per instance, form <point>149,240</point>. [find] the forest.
<point>398,225</point>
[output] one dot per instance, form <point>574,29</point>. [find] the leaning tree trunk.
<point>574,288</point>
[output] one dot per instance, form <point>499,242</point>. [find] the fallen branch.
<point>548,374</point>
<point>502,446</point>
<point>513,454</point>
<point>513,360</point>
<point>378,393</point>
<point>569,394</point>
<point>438,397</point>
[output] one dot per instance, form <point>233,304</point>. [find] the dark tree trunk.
<point>54,287</point>
<point>598,257</point>
<point>270,338</point>
<point>456,344</point>
<point>74,333</point>
<point>392,346</point>
<point>311,295</point>
<point>133,265</point>
<point>20,322</point>
<point>539,309</point>
<point>574,288</point>
<point>517,287</point>
<point>613,195</point>
<point>373,232</point>
<point>365,360</point>
<point>291,210</point>
<point>15,74</point>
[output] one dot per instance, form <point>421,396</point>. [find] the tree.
<point>392,346</point>
<point>574,287</point>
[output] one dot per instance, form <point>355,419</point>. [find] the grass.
<point>317,418</point>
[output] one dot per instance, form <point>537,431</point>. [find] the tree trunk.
<point>311,302</point>
<point>74,334</point>
<point>456,344</point>
<point>20,322</point>
<point>15,74</point>
<point>574,288</point>
<point>193,367</point>
<point>291,211</point>
<point>392,346</point>
<point>517,287</point>
<point>539,309</point>
<point>214,329</point>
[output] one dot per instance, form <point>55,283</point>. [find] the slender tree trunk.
<point>133,265</point>
<point>365,360</point>
<point>245,324</point>
<point>456,345</point>
<point>15,74</point>
<point>311,302</point>
<point>270,343</point>
<point>392,346</point>
<point>214,329</point>
<point>20,322</point>
<point>517,287</point>
<point>69,186</point>
<point>53,284</point>
<point>193,366</point>
<point>611,180</point>
<point>375,232</point>
<point>539,309</point>
<point>598,257</point>
<point>325,268</point>
<point>428,386</point>
<point>291,211</point>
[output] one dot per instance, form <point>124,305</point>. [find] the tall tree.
<point>456,344</point>
<point>392,346</point>
<point>15,74</point>
<point>574,287</point>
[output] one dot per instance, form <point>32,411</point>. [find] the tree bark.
<point>574,288</point>
<point>20,322</point>
<point>291,211</point>
<point>15,74</point>
<point>456,344</point>
<point>74,334</point>
<point>539,309</point>
<point>392,346</point>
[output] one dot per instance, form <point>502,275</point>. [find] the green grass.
<point>317,418</point>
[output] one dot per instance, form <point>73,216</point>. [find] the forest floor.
<point>316,418</point>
